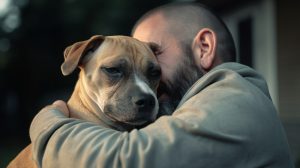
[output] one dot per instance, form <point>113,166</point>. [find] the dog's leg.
<point>24,159</point>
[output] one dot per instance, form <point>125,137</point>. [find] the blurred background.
<point>34,33</point>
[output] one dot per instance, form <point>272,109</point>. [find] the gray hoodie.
<point>225,120</point>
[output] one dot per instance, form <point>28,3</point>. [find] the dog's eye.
<point>155,73</point>
<point>112,71</point>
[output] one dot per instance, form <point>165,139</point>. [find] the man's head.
<point>191,41</point>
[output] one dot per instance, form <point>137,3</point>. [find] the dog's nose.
<point>145,101</point>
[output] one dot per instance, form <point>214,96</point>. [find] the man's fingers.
<point>61,106</point>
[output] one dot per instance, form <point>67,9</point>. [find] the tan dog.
<point>116,86</point>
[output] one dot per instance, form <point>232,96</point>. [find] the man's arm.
<point>169,142</point>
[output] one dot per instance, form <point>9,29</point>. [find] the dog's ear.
<point>76,52</point>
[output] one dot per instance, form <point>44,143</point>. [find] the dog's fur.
<point>116,86</point>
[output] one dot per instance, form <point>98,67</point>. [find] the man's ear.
<point>204,47</point>
<point>75,53</point>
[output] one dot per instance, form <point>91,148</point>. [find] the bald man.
<point>223,115</point>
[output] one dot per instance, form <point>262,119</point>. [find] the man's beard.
<point>186,74</point>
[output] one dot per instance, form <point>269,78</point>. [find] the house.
<point>266,34</point>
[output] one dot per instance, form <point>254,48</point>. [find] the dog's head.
<point>119,74</point>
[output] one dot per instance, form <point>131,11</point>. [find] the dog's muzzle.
<point>145,103</point>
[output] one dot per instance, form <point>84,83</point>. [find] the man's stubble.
<point>185,75</point>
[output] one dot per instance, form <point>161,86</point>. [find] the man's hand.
<point>61,106</point>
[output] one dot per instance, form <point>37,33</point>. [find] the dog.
<point>116,88</point>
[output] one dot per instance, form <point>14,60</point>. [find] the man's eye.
<point>155,73</point>
<point>157,53</point>
<point>112,71</point>
<point>156,49</point>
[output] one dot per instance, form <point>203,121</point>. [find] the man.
<point>223,117</point>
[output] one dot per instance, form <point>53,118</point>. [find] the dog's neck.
<point>82,106</point>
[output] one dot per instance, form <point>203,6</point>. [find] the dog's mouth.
<point>137,121</point>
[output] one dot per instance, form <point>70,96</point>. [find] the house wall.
<point>288,63</point>
<point>276,55</point>
<point>288,25</point>
<point>263,44</point>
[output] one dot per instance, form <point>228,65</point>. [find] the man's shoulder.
<point>231,80</point>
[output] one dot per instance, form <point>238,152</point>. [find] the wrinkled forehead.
<point>124,46</point>
<point>124,52</point>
